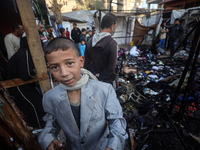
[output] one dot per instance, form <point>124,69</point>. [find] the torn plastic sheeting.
<point>140,31</point>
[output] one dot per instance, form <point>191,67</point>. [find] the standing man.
<point>175,32</point>
<point>12,40</point>
<point>75,34</point>
<point>43,38</point>
<point>101,51</point>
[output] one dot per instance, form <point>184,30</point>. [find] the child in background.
<point>87,110</point>
<point>82,48</point>
<point>83,35</point>
<point>89,35</point>
<point>67,33</point>
<point>63,32</point>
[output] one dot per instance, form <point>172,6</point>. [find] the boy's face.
<point>65,66</point>
<point>84,32</point>
<point>90,33</point>
<point>82,42</point>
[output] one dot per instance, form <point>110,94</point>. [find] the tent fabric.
<point>80,15</point>
<point>150,21</point>
<point>176,14</point>
<point>140,31</point>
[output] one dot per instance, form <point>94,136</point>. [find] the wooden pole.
<point>29,23</point>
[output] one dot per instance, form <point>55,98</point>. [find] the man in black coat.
<point>27,97</point>
<point>75,34</point>
<point>175,32</point>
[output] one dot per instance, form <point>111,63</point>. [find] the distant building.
<point>68,5</point>
<point>127,4</point>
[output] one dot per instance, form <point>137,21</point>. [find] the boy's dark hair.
<point>83,30</point>
<point>62,30</point>
<point>177,19</point>
<point>108,20</point>
<point>82,40</point>
<point>88,28</point>
<point>15,26</point>
<point>74,24</point>
<point>62,43</point>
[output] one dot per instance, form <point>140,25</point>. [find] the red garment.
<point>63,35</point>
<point>67,34</point>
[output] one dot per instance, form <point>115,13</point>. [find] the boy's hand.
<point>108,148</point>
<point>55,145</point>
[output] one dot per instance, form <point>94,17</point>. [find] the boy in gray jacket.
<point>86,110</point>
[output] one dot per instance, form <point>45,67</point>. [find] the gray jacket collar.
<point>87,105</point>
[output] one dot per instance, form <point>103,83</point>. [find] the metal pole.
<point>191,54</point>
<point>99,21</point>
<point>191,78</point>
<point>110,6</point>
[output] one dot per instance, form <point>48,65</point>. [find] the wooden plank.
<point>29,23</point>
<point>14,127</point>
<point>18,82</point>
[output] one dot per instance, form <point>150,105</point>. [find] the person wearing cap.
<point>175,32</point>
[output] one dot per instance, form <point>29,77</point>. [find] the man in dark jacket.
<point>101,51</point>
<point>75,34</point>
<point>27,97</point>
<point>175,32</point>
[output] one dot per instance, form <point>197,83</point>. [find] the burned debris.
<point>160,98</point>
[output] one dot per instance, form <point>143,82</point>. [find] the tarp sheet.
<point>140,31</point>
<point>150,21</point>
<point>176,14</point>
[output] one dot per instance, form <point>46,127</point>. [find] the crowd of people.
<point>87,110</point>
<point>94,117</point>
<point>174,32</point>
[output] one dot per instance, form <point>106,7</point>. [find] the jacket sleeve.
<point>112,61</point>
<point>181,30</point>
<point>51,129</point>
<point>88,65</point>
<point>26,69</point>
<point>9,47</point>
<point>72,34</point>
<point>117,124</point>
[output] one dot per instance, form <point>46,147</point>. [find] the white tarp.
<point>176,14</point>
<point>150,21</point>
<point>83,16</point>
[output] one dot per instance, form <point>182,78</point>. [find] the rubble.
<point>147,84</point>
